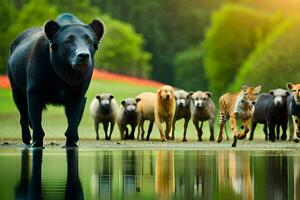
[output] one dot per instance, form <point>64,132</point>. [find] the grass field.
<point>54,120</point>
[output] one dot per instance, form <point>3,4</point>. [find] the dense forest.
<point>196,44</point>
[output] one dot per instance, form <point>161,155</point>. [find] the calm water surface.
<point>122,174</point>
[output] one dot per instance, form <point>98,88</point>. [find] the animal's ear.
<point>123,103</point>
<point>190,94</point>
<point>209,94</point>
<point>98,97</point>
<point>50,28</point>
<point>111,96</point>
<point>289,86</point>
<point>287,93</point>
<point>137,99</point>
<point>98,28</point>
<point>158,91</point>
<point>258,88</point>
<point>271,92</point>
<point>244,87</point>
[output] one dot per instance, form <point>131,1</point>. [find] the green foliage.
<point>189,70</point>
<point>234,32</point>
<point>168,26</point>
<point>275,61</point>
<point>34,13</point>
<point>122,50</point>
<point>7,12</point>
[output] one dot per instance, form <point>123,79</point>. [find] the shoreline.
<point>158,145</point>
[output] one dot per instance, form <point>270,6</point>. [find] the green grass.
<point>55,123</point>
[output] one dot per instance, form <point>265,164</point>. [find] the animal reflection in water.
<point>32,188</point>
<point>234,174</point>
<point>164,174</point>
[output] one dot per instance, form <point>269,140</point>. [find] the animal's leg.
<point>253,126</point>
<point>246,125</point>
<point>291,128</point>
<point>126,133</point>
<point>266,131</point>
<point>96,125</point>
<point>173,128</point>
<point>105,127</point>
<point>131,136</point>
<point>233,125</point>
<point>159,126</point>
<point>211,128</point>
<point>271,132</point>
<point>142,128</point>
<point>277,131</point>
<point>196,124</point>
<point>74,110</point>
<point>150,129</point>
<point>296,120</point>
<point>222,122</point>
<point>21,103</point>
<point>35,108</point>
<point>234,141</point>
<point>284,128</point>
<point>168,128</point>
<point>186,122</point>
<point>112,124</point>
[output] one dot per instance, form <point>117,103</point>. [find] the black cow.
<point>53,65</point>
<point>271,110</point>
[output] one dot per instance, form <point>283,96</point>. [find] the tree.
<point>121,50</point>
<point>275,61</point>
<point>189,70</point>
<point>7,12</point>
<point>233,34</point>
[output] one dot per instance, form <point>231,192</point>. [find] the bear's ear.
<point>289,86</point>
<point>111,96</point>
<point>98,28</point>
<point>50,28</point>
<point>190,94</point>
<point>271,92</point>
<point>98,97</point>
<point>287,93</point>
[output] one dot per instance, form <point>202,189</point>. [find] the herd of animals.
<point>273,109</point>
<point>53,64</point>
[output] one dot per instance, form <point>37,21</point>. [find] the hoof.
<point>220,139</point>
<point>70,144</point>
<point>283,137</point>
<point>233,144</point>
<point>37,144</point>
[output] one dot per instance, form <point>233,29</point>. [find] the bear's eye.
<point>293,90</point>
<point>246,93</point>
<point>70,39</point>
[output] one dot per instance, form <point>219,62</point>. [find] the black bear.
<point>53,65</point>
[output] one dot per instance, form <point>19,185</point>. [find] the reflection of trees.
<point>164,174</point>
<point>234,177</point>
<point>21,191</point>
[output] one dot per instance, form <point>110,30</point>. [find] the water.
<point>122,174</point>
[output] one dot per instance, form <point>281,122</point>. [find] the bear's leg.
<point>35,109</point>
<point>21,103</point>
<point>74,110</point>
<point>284,128</point>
